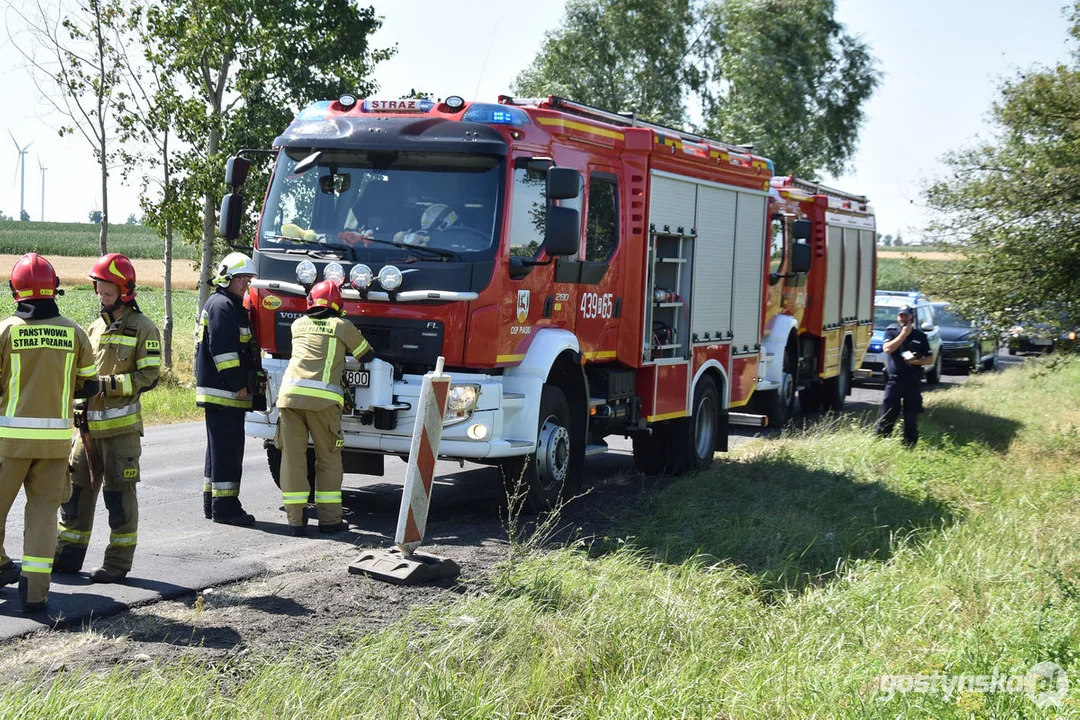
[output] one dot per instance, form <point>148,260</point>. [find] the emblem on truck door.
<point>523,306</point>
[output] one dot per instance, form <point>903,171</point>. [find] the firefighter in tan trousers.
<point>310,402</point>
<point>127,347</point>
<point>45,361</point>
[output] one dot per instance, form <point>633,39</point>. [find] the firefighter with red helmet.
<point>127,347</point>
<point>225,363</point>
<point>310,402</point>
<point>45,361</point>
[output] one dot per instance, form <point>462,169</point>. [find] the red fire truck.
<point>818,323</point>
<point>583,274</point>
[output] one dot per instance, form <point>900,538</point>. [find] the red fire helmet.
<point>325,294</point>
<point>117,269</point>
<point>33,278</point>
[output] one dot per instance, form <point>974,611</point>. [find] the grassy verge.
<point>81,240</point>
<point>173,400</point>
<point>801,577</point>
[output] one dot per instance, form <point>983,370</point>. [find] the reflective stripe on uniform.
<point>13,383</point>
<point>125,380</point>
<point>220,397</point>
<point>125,340</point>
<point>245,334</point>
<point>311,388</point>
<point>87,372</point>
<point>115,417</point>
<point>148,362</point>
<point>361,349</point>
<point>207,487</point>
<point>224,361</point>
<point>328,364</point>
<point>32,564</point>
<point>69,364</point>
<point>24,428</point>
<point>226,489</point>
<point>75,537</point>
<point>123,538</point>
<point>328,497</point>
<point>295,498</point>
<point>35,422</point>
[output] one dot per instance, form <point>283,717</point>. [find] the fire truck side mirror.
<point>236,171</point>
<point>563,183</point>
<point>562,235</point>
<point>800,229</point>
<point>800,258</point>
<point>232,210</point>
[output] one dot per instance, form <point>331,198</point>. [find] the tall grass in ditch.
<point>804,577</point>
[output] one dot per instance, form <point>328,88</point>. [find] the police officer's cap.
<point>905,310</point>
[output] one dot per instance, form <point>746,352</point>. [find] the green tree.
<point>887,240</point>
<point>898,241</point>
<point>244,68</point>
<point>1011,205</point>
<point>24,216</point>
<point>781,75</point>
<point>96,216</point>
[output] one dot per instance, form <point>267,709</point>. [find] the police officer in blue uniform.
<point>225,358</point>
<point>907,351</point>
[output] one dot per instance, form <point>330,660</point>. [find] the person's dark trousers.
<point>901,398</point>
<point>225,443</point>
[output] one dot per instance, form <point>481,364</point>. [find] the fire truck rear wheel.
<point>542,477</point>
<point>837,388</point>
<point>273,459</point>
<point>699,439</point>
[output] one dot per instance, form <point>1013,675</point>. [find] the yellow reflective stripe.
<point>361,349</point>
<point>295,498</point>
<point>125,340</point>
<point>13,384</point>
<point>34,434</point>
<point>148,362</point>
<point>328,497</point>
<point>32,564</point>
<point>311,392</point>
<point>331,350</point>
<point>227,365</point>
<point>115,422</point>
<point>126,379</point>
<point>75,537</point>
<point>87,372</point>
<point>225,402</point>
<point>207,487</point>
<point>69,364</point>
<point>122,538</point>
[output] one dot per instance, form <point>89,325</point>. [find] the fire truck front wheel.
<point>541,478</point>
<point>273,459</point>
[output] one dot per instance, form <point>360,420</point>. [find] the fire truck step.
<point>513,396</point>
<point>520,443</point>
<point>596,449</point>
<point>748,419</point>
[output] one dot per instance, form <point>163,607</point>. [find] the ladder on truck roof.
<point>818,189</point>
<point>623,119</point>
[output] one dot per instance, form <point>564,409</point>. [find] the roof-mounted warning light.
<point>346,101</point>
<point>454,102</point>
<point>491,114</point>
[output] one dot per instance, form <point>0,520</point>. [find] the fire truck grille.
<point>406,342</point>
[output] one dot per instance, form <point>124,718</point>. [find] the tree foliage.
<point>779,74</point>
<point>1011,205</point>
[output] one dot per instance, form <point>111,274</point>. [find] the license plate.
<point>357,378</point>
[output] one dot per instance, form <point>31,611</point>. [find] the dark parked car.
<point>964,346</point>
<point>1037,337</point>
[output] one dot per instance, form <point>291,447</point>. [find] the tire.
<point>933,375</point>
<point>977,361</point>
<point>780,403</point>
<point>544,475</point>
<point>696,443</point>
<point>837,388</point>
<point>273,459</point>
<point>990,363</point>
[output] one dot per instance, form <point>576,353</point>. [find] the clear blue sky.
<point>941,62</point>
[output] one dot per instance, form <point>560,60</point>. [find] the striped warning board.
<point>427,434</point>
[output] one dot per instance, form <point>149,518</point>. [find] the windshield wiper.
<point>324,249</point>
<point>438,252</point>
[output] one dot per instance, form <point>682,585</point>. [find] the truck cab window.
<point>776,252</point>
<point>528,211</point>
<point>602,228</point>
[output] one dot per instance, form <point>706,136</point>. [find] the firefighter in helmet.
<point>310,402</point>
<point>226,357</point>
<point>127,347</point>
<point>45,361</point>
<point>436,218</point>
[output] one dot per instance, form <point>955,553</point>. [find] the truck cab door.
<point>599,270</point>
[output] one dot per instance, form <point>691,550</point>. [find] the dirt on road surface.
<point>72,271</point>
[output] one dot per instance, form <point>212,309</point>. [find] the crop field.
<point>81,240</point>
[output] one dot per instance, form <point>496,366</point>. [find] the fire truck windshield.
<point>368,202</point>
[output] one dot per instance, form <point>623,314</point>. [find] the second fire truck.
<point>583,274</point>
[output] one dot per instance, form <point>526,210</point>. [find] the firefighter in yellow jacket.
<point>45,361</point>
<point>127,348</point>
<point>310,402</point>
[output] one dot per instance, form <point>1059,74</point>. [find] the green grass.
<point>81,240</point>
<point>173,400</point>
<point>783,583</point>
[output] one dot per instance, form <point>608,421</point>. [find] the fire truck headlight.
<point>461,401</point>
<point>305,272</point>
<point>334,273</point>
<point>390,278</point>
<point>360,276</point>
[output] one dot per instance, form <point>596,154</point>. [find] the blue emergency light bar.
<point>491,114</point>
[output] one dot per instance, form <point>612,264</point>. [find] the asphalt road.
<point>180,552</point>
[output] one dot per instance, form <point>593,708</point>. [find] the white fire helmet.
<point>437,217</point>
<point>233,264</point>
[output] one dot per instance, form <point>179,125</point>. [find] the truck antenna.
<point>483,67</point>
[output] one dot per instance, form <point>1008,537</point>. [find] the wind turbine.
<point>42,168</point>
<point>21,166</point>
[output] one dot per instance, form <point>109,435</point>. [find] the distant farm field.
<point>81,240</point>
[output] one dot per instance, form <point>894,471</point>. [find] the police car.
<point>886,303</point>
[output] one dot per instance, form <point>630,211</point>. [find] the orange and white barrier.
<point>427,435</point>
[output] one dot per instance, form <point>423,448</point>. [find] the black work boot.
<point>298,530</point>
<point>9,573</point>
<point>242,519</point>
<point>208,504</point>
<point>336,528</point>
<point>228,511</point>
<point>69,560</point>
<point>104,575</point>
<point>29,608</point>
